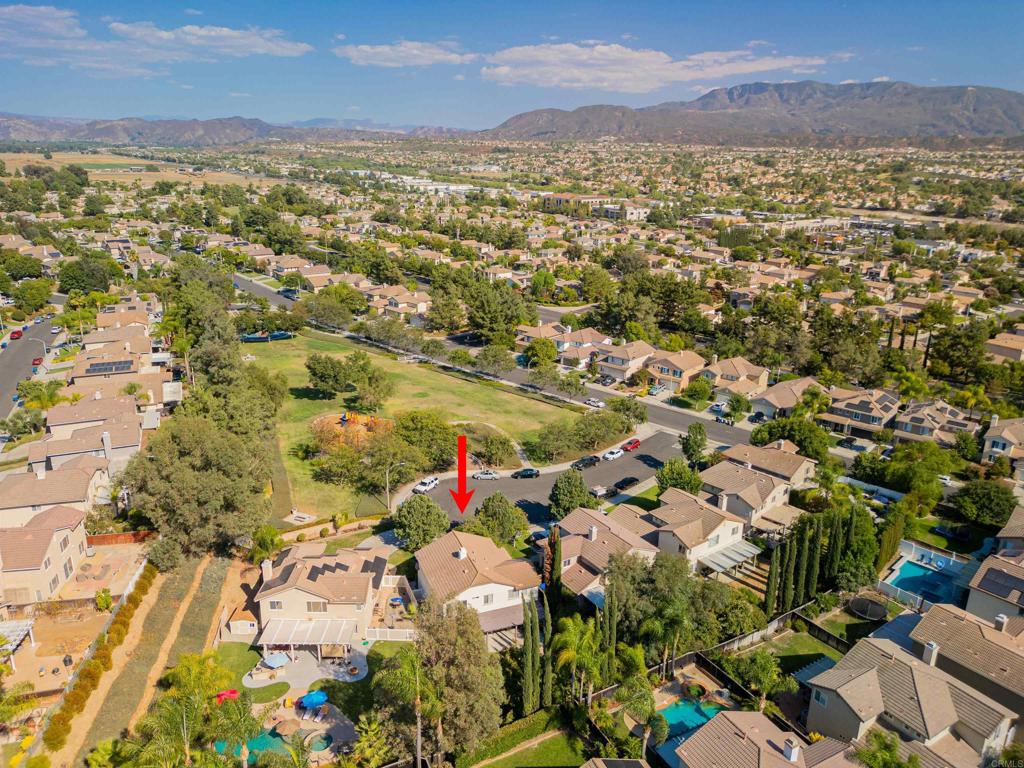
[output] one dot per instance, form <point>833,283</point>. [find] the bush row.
<point>75,698</point>
<point>510,736</point>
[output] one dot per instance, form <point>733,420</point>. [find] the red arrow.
<point>462,496</point>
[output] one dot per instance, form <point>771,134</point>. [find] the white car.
<point>593,402</point>
<point>426,485</point>
<point>613,454</point>
<point>946,480</point>
<point>486,474</point>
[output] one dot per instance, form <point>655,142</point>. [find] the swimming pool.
<point>266,741</point>
<point>321,742</point>
<point>934,586</point>
<point>684,717</point>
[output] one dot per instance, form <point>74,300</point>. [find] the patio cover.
<point>812,670</point>
<point>14,633</point>
<point>307,632</point>
<point>731,556</point>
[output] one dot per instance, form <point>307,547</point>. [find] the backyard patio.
<point>302,668</point>
<point>110,567</point>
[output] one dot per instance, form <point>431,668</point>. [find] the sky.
<point>474,64</point>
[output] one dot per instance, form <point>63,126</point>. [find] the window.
<point>46,564</point>
<point>316,606</point>
<point>713,541</point>
<point>81,547</point>
<point>276,605</point>
<point>53,583</point>
<point>512,594</point>
<point>488,599</point>
<point>820,697</point>
<point>68,569</point>
<point>566,563</point>
<point>64,543</point>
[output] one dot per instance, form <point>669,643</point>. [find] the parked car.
<point>757,417</point>
<point>486,474</point>
<point>586,462</point>
<point>946,480</point>
<point>599,491</point>
<point>717,408</point>
<point>631,445</point>
<point>16,335</point>
<point>37,361</point>
<point>847,442</point>
<point>426,485</point>
<point>593,402</point>
<point>536,537</point>
<point>55,330</point>
<point>657,389</point>
<point>38,321</point>
<point>626,483</point>
<point>525,474</point>
<point>606,381</point>
<point>613,454</point>
<point>530,387</point>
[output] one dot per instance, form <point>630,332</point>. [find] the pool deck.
<point>334,724</point>
<point>305,670</point>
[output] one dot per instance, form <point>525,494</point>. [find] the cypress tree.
<point>788,584</point>
<point>535,644</point>
<point>527,660</point>
<point>801,565</point>
<point>835,547</point>
<point>814,567</point>
<point>613,622</point>
<point>771,592</point>
<point>546,680</point>
<point>851,531</point>
<point>556,570</point>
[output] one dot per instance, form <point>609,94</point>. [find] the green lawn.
<point>848,626</point>
<point>647,499</point>
<point>240,658</point>
<point>356,698</point>
<point>798,649</point>
<point>923,530</point>
<point>556,752</point>
<point>682,401</point>
<point>416,387</point>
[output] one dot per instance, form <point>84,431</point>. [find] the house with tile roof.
<point>997,587</point>
<point>474,570</point>
<point>745,492</point>
<point>38,557</point>
<point>1005,437</point>
<point>933,420</point>
<point>674,370</point>
<point>775,459</point>
<point>735,376</point>
<point>79,483</point>
<point>860,412</point>
<point>779,400</point>
<point>880,685</point>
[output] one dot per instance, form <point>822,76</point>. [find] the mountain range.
<point>803,113</point>
<point>790,113</point>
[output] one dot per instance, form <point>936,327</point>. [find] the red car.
<point>631,445</point>
<point>37,361</point>
<point>15,335</point>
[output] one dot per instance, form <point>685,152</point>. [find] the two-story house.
<point>674,370</point>
<point>623,361</point>
<point>38,557</point>
<point>1005,437</point>
<point>933,420</point>
<point>735,376</point>
<point>861,412</point>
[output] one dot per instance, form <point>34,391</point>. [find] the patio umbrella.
<point>314,699</point>
<point>288,727</point>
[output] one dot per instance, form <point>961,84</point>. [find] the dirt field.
<point>107,167</point>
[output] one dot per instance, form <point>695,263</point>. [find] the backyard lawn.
<point>848,626</point>
<point>240,658</point>
<point>797,649</point>
<point>924,530</point>
<point>555,752</point>
<point>356,698</point>
<point>416,386</point>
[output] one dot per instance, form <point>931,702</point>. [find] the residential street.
<point>16,361</point>
<point>258,289</point>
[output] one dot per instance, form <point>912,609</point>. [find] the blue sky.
<point>473,64</point>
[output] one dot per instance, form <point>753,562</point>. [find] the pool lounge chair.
<point>306,712</point>
<point>320,714</point>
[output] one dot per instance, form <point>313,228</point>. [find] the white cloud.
<point>193,12</point>
<point>758,43</point>
<point>404,53</point>
<point>186,87</point>
<point>848,82</point>
<point>843,56</point>
<point>629,36</point>
<point>224,41</point>
<point>340,36</point>
<point>804,70</point>
<point>239,94</point>
<point>619,68</point>
<point>881,79</point>
<point>49,36</point>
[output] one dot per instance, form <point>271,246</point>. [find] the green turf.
<point>849,627</point>
<point>556,752</point>
<point>356,698</point>
<point>798,649</point>
<point>240,658</point>
<point>646,499</point>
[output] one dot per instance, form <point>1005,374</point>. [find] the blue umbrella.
<point>314,699</point>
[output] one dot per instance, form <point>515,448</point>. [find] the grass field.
<point>240,658</point>
<point>356,698</point>
<point>415,387</point>
<point>108,167</point>
<point>848,626</point>
<point>555,752</point>
<point>798,649</point>
<point>199,617</point>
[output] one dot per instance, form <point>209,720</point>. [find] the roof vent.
<point>462,554</point>
<point>1000,622</point>
<point>593,533</point>
<point>791,749</point>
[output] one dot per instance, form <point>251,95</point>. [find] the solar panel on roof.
<point>999,583</point>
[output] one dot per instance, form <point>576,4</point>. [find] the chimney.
<point>993,421</point>
<point>462,554</point>
<point>107,449</point>
<point>930,653</point>
<point>1000,622</point>
<point>714,358</point>
<point>41,471</point>
<point>267,569</point>
<point>593,533</point>
<point>723,500</point>
<point>791,749</point>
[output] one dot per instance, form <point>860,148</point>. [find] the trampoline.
<point>867,608</point>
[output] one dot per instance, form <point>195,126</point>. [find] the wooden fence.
<point>128,537</point>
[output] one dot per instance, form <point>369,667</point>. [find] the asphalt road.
<point>16,361</point>
<point>532,494</point>
<point>258,289</point>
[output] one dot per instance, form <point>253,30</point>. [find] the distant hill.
<point>804,112</point>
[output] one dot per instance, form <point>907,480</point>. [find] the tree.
<point>988,502</point>
<point>631,408</point>
<point>771,593</point>
<point>789,581</point>
<point>676,473</point>
<point>762,672</point>
<point>14,699</point>
<point>810,439</point>
<point>802,559</point>
<point>738,405</point>
<point>576,649</point>
<point>502,519</point>
<point>403,680</point>
<point>699,390</point>
<point>882,751</point>
<point>527,656</point>
<point>637,700</point>
<point>694,442</point>
<point>266,542</point>
<point>32,295</point>
<point>569,492</point>
<point>495,360</point>
<point>41,394</point>
<point>236,724</point>
<point>545,375</point>
<point>571,385</point>
<point>327,374</point>
<point>540,351</point>
<point>430,432</point>
<point>372,748</point>
<point>546,686</point>
<point>418,521</point>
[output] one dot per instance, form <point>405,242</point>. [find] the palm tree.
<point>41,394</point>
<point>167,734</point>
<point>404,678</point>
<point>372,749</point>
<point>298,751</point>
<point>637,701</point>
<point>576,647</point>
<point>813,401</point>
<point>236,724</point>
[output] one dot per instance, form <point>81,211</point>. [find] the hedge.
<point>88,679</point>
<point>511,736</point>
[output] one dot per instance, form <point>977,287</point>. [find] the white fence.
<point>878,490</point>
<point>383,633</point>
<point>952,563</point>
<point>902,596</point>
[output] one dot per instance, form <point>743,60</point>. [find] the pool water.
<point>684,717</point>
<point>266,741</point>
<point>321,742</point>
<point>934,586</point>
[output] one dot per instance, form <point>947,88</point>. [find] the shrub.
<point>104,658</point>
<point>324,533</point>
<point>510,736</point>
<point>799,625</point>
<point>38,761</point>
<point>74,701</point>
<point>57,731</point>
<point>17,315</point>
<point>827,601</point>
<point>104,602</point>
<point>165,554</point>
<point>301,537</point>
